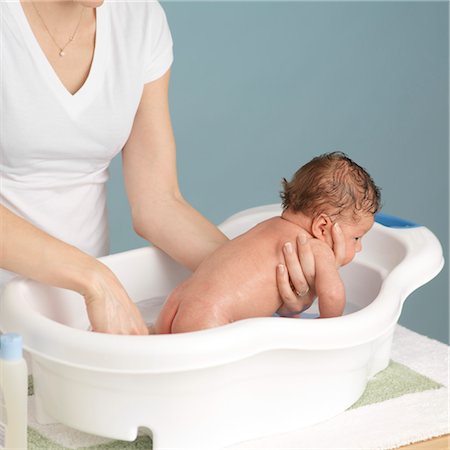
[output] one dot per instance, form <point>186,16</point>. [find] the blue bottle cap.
<point>10,346</point>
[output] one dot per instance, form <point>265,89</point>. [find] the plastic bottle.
<point>13,393</point>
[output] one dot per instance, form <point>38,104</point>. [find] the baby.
<point>238,280</point>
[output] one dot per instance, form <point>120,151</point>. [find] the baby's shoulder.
<point>270,226</point>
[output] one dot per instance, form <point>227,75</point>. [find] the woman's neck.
<point>60,17</point>
<point>55,10</point>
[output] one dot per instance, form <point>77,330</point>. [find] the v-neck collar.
<point>74,103</point>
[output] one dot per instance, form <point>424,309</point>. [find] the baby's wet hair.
<point>331,183</point>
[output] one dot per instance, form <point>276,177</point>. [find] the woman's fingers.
<point>293,286</point>
<point>295,270</point>
<point>290,299</point>
<point>306,259</point>
<point>339,249</point>
<point>117,317</point>
<point>129,318</point>
<point>134,323</point>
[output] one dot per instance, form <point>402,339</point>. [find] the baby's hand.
<point>329,286</point>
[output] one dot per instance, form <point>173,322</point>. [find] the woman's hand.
<point>296,278</point>
<point>29,251</point>
<point>109,308</point>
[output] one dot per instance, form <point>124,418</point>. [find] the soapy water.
<point>150,308</point>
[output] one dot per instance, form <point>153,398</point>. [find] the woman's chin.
<point>90,3</point>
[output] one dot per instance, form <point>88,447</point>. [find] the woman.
<point>82,81</point>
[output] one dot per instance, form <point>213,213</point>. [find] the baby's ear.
<point>321,227</point>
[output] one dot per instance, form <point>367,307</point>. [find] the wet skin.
<point>238,281</point>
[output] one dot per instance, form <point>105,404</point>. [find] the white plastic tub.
<point>213,388</point>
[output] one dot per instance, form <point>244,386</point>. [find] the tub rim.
<point>232,342</point>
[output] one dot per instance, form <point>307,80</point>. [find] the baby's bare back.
<point>237,281</point>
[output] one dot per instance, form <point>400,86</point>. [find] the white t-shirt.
<point>55,147</point>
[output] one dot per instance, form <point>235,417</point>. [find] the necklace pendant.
<point>61,53</point>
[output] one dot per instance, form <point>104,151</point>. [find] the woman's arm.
<point>28,251</point>
<point>159,212</point>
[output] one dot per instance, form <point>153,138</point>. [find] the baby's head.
<point>333,188</point>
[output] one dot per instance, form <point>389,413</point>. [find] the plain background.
<point>259,88</point>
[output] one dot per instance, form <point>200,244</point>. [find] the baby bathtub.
<point>210,389</point>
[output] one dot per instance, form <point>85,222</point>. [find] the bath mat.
<point>405,403</point>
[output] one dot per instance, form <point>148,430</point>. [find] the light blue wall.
<point>258,89</point>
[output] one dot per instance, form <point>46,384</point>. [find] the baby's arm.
<point>329,286</point>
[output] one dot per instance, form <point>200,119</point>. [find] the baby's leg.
<point>181,314</point>
<point>198,317</point>
<point>163,323</point>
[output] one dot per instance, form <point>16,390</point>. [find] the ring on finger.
<point>302,294</point>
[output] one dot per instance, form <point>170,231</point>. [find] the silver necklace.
<point>61,49</point>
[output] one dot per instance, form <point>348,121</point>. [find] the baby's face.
<point>353,231</point>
